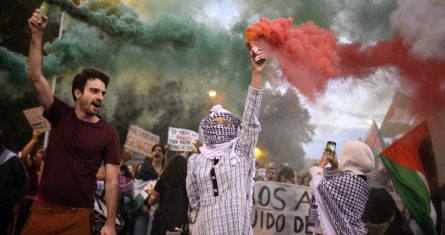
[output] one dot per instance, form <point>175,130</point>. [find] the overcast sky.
<point>341,112</point>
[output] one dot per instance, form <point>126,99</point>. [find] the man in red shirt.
<point>80,141</point>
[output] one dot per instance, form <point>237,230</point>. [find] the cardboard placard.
<point>140,140</point>
<point>36,119</point>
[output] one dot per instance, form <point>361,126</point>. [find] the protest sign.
<point>140,140</point>
<point>36,119</point>
<point>181,139</point>
<point>280,208</point>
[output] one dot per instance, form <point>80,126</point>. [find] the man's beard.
<point>86,108</point>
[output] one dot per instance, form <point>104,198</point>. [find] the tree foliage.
<point>13,123</point>
<point>161,106</point>
<point>285,128</point>
<point>14,33</point>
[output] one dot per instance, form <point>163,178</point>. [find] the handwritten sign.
<point>280,208</point>
<point>36,119</point>
<point>181,139</point>
<point>140,140</point>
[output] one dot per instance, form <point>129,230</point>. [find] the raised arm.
<point>28,148</point>
<point>250,126</point>
<point>257,70</point>
<point>35,61</point>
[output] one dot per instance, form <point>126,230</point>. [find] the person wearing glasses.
<point>220,179</point>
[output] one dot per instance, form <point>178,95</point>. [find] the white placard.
<point>181,139</point>
<point>280,208</point>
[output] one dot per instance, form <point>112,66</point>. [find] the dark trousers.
<point>23,215</point>
<point>5,217</point>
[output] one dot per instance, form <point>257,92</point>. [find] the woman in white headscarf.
<point>340,200</point>
<point>220,179</point>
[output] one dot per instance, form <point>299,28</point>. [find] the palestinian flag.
<point>406,161</point>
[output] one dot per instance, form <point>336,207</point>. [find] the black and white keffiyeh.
<point>339,204</point>
<point>218,134</point>
<point>219,139</point>
<point>339,201</point>
<point>313,220</point>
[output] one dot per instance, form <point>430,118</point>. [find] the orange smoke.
<point>250,35</point>
<point>309,56</point>
<point>305,54</point>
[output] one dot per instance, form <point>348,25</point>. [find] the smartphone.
<point>330,149</point>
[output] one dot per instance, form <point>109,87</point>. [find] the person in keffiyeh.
<point>340,199</point>
<point>220,179</point>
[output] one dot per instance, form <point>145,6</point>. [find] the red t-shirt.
<point>75,152</point>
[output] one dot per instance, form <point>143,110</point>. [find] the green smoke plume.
<point>13,68</point>
<point>121,21</point>
<point>163,63</point>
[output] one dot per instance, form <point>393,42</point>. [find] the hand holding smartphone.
<point>329,156</point>
<point>330,149</point>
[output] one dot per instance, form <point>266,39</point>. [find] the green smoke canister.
<point>44,8</point>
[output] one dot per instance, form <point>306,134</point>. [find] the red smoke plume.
<point>309,56</point>
<point>305,54</point>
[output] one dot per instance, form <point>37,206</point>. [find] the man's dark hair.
<point>80,80</point>
<point>1,137</point>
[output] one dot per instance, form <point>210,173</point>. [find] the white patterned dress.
<point>229,211</point>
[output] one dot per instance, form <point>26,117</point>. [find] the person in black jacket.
<point>13,186</point>
<point>173,201</point>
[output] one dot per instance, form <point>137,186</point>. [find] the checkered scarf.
<point>223,139</point>
<point>344,198</point>
<point>218,134</point>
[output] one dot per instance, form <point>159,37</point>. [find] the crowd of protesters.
<point>167,201</point>
<point>165,206</point>
<point>285,174</point>
<point>152,196</point>
<point>52,190</point>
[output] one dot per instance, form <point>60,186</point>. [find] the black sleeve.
<point>21,179</point>
<point>159,187</point>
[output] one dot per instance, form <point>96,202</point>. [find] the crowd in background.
<point>158,177</point>
<point>166,197</point>
<point>284,174</point>
<point>138,216</point>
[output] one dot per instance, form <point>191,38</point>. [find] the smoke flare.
<point>310,56</point>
